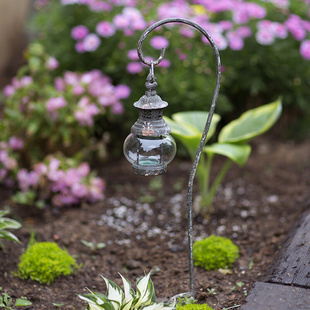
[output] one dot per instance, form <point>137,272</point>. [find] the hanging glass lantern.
<point>150,147</point>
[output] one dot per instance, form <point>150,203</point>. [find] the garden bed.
<point>143,222</point>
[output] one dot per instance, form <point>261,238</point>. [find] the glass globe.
<point>149,155</point>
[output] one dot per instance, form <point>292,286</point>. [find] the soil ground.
<point>143,222</point>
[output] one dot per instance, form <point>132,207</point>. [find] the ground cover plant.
<point>215,252</point>
<point>44,262</point>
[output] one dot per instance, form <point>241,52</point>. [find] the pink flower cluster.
<point>8,163</point>
<point>99,5</point>
<point>225,33</point>
<point>129,21</point>
<point>94,93</point>
<point>9,90</point>
<point>62,186</point>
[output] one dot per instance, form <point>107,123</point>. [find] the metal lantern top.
<point>150,122</point>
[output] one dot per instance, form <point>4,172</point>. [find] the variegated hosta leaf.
<point>114,294</point>
<point>128,294</point>
<point>97,301</point>
<point>116,299</point>
<point>92,305</point>
<point>8,235</point>
<point>145,291</point>
<point>160,306</point>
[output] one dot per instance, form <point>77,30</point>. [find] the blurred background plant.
<point>48,131</point>
<point>264,45</point>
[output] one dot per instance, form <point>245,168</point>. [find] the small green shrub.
<point>215,252</point>
<point>44,262</point>
<point>194,307</point>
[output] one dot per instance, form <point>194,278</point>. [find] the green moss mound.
<point>215,252</point>
<point>44,262</point>
<point>194,307</point>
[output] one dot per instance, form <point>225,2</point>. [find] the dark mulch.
<point>143,222</point>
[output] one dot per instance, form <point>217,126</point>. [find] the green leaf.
<point>145,291</point>
<point>239,153</point>
<point>251,123</point>
<point>20,302</point>
<point>4,212</point>
<point>188,127</point>
<point>7,235</point>
<point>114,293</point>
<point>6,223</point>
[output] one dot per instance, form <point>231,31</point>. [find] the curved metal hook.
<point>207,126</point>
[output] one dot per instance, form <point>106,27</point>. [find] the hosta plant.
<point>7,223</point>
<point>126,299</point>
<point>232,143</point>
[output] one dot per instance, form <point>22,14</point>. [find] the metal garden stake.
<point>149,147</point>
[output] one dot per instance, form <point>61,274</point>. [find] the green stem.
<point>203,171</point>
<point>218,181</point>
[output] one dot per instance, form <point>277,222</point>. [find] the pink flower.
<point>79,32</point>
<point>9,91</point>
<point>59,84</point>
<point>83,169</point>
<point>121,21</point>
<point>79,47</point>
<point>91,42</point>
<point>305,49</point>
<point>134,67</point>
<point>40,169</point>
<point>117,108</point>
<point>264,37</point>
<point>16,143</point>
<point>244,31</point>
<point>3,174</point>
<point>159,42</point>
<point>219,40</point>
<point>99,6</point>
<point>186,32</point>
<point>226,25</point>
<point>52,63</point>
<point>55,103</point>
<point>278,30</point>
<point>133,55</point>
<point>235,40</point>
<point>295,25</point>
<point>165,63</point>
<point>25,81</point>
<point>78,90</point>
<point>71,78</point>
<point>95,190</point>
<point>10,163</point>
<point>79,190</point>
<point>86,111</point>
<point>105,29</point>
<point>254,10</point>
<point>122,91</point>
<point>53,164</point>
